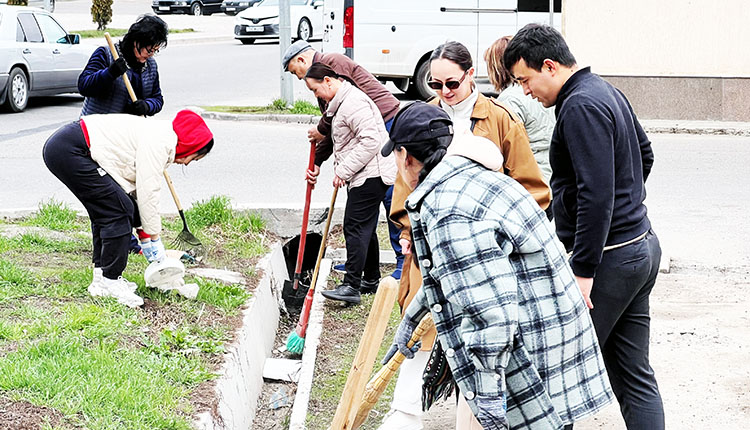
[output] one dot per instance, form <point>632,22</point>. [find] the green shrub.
<point>205,213</point>
<point>101,13</point>
<point>302,107</point>
<point>54,215</point>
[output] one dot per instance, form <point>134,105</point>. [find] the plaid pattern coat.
<point>516,332</point>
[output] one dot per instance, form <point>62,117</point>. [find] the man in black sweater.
<point>600,158</point>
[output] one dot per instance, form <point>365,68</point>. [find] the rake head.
<point>186,241</point>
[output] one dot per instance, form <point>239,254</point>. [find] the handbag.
<point>437,379</point>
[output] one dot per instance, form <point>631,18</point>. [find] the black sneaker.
<point>369,287</point>
<point>343,293</point>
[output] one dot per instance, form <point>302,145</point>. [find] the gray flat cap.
<point>292,51</point>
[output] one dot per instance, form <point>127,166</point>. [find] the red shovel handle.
<point>305,218</point>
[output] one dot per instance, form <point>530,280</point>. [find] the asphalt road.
<point>697,197</point>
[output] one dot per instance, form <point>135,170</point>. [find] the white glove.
<point>158,252</point>
<point>146,248</point>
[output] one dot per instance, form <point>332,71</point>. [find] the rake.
<point>185,241</point>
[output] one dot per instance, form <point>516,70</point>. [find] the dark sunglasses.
<point>451,85</point>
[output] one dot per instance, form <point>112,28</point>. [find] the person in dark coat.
<point>600,158</point>
<point>100,81</point>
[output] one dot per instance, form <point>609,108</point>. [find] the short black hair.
<point>536,43</point>
<point>146,31</point>
<point>455,52</point>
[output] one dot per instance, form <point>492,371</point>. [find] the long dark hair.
<point>453,51</point>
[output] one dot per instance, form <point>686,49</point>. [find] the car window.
<point>20,37</point>
<point>30,28</point>
<point>52,31</point>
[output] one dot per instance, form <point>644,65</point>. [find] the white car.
<point>37,56</point>
<point>262,21</point>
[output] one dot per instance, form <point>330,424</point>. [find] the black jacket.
<point>600,158</point>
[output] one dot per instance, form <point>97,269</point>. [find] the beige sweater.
<point>358,136</point>
<point>134,151</point>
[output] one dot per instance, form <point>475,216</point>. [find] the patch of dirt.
<point>22,415</point>
<point>269,416</point>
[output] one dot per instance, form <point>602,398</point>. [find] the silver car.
<point>37,56</point>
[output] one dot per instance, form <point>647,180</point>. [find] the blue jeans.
<point>622,285</point>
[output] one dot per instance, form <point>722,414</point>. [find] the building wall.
<point>674,59</point>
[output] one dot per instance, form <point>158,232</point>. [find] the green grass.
<point>55,215</point>
<point>119,32</point>
<point>278,106</point>
<point>100,364</point>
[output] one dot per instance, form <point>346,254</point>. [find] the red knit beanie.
<point>192,133</point>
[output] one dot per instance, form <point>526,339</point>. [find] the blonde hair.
<point>500,77</point>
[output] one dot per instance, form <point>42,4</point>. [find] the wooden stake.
<point>367,351</point>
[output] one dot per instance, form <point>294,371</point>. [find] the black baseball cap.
<point>417,124</point>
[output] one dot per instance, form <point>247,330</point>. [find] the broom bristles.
<point>294,343</point>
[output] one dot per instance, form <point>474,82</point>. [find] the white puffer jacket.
<point>358,136</point>
<point>134,151</point>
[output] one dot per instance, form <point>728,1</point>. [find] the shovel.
<point>305,219</point>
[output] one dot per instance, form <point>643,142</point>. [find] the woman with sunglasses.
<point>100,81</point>
<point>358,134</point>
<point>471,112</point>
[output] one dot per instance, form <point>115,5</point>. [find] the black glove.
<point>118,67</point>
<point>138,107</point>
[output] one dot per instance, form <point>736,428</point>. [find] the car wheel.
<point>51,6</point>
<point>247,41</point>
<point>304,30</point>
<point>18,90</point>
<point>418,87</point>
<point>196,9</point>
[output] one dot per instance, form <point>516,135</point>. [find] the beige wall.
<point>686,38</point>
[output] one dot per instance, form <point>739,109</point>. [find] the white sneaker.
<point>120,289</point>
<point>398,420</point>
<point>96,289</point>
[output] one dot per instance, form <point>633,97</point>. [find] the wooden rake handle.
<point>133,98</point>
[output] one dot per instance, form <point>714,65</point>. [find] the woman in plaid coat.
<point>511,319</point>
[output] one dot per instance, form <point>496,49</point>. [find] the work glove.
<point>146,248</point>
<point>138,107</point>
<point>491,412</point>
<point>158,252</point>
<point>401,339</point>
<point>118,67</point>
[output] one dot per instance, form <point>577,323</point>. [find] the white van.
<point>393,39</point>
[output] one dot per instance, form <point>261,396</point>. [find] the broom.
<point>295,343</point>
<point>186,239</point>
<point>377,384</point>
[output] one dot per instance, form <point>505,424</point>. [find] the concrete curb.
<point>241,381</point>
<point>650,126</point>
<point>312,339</point>
<point>274,117</point>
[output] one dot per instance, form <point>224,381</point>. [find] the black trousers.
<point>620,295</point>
<point>360,224</point>
<point>111,211</point>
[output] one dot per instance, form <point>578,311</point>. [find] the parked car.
<point>262,21</point>
<point>193,7</point>
<point>233,7</point>
<point>37,56</point>
<point>48,5</point>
